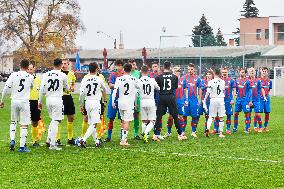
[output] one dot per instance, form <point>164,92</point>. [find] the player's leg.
<point>35,118</point>
<point>169,126</point>
<point>267,113</point>
<point>216,125</point>
<point>221,111</point>
<point>257,117</point>
<point>195,116</point>
<point>136,120</point>
<point>150,118</point>
<point>161,109</point>
<point>247,111</point>
<point>70,120</point>
<point>127,118</point>
<point>111,114</point>
<point>212,115</point>
<point>172,105</point>
<point>238,109</point>
<point>13,124</point>
<point>229,113</point>
<point>56,117</point>
<point>25,115</point>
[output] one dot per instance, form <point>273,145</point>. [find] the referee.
<point>35,112</point>
<point>68,103</point>
<point>168,83</point>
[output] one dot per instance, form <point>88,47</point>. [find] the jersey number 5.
<point>21,85</point>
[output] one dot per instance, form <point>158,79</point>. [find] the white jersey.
<point>91,88</point>
<point>126,86</point>
<point>53,83</point>
<point>216,88</point>
<point>21,84</point>
<point>147,86</point>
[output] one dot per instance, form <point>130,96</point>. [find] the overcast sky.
<point>141,21</point>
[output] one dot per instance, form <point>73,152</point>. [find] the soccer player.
<point>20,83</point>
<point>229,97</point>
<point>111,114</point>
<point>155,70</point>
<point>257,90</point>
<point>92,89</point>
<point>147,86</point>
<point>192,85</point>
<point>168,83</point>
<point>216,91</point>
<point>126,86</point>
<point>243,101</point>
<point>265,99</point>
<point>205,103</point>
<point>52,85</point>
<point>135,73</point>
<point>179,93</point>
<point>68,103</point>
<point>35,112</point>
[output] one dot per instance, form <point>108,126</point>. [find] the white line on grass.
<point>197,155</point>
<point>187,154</point>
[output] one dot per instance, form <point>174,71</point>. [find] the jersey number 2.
<point>126,85</point>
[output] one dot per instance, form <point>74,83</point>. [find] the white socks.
<point>52,132</point>
<point>90,131</point>
<point>124,134</point>
<point>144,125</point>
<point>149,127</point>
<point>23,136</point>
<point>221,125</point>
<point>13,126</point>
<point>209,122</point>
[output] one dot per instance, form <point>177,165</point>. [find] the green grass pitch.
<point>238,161</point>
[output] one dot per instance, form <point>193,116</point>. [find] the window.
<point>258,34</point>
<point>266,33</point>
<point>281,32</point>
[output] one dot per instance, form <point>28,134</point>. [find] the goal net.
<point>278,81</point>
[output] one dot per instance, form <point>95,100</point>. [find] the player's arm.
<point>104,93</point>
<point>156,86</point>
<point>82,93</point>
<point>115,90</point>
<point>249,93</point>
<point>72,86</point>
<point>261,90</point>
<point>200,86</point>
<point>111,81</point>
<point>41,92</point>
<point>65,83</point>
<point>7,86</point>
<point>233,88</point>
<point>185,89</point>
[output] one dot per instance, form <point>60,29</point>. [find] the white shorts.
<point>93,108</point>
<point>217,107</point>
<point>148,113</point>
<point>20,111</point>
<point>126,115</point>
<point>55,108</point>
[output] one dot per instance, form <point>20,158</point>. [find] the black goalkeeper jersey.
<point>168,83</point>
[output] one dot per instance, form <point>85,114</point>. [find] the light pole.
<point>109,36</point>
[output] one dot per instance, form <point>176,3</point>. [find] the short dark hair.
<point>24,64</point>
<point>127,67</point>
<point>131,60</point>
<point>119,62</point>
<point>93,67</point>
<point>154,62</point>
<point>57,62</point>
<point>144,69</point>
<point>191,65</point>
<point>167,65</point>
<point>265,68</point>
<point>217,72</point>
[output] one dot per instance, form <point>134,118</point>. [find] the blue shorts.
<point>180,106</point>
<point>192,108</point>
<point>242,106</point>
<point>265,105</point>
<point>228,108</point>
<point>257,106</point>
<point>111,112</point>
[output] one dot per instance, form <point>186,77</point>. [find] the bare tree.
<point>40,29</point>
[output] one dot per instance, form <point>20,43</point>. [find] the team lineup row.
<point>152,94</point>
